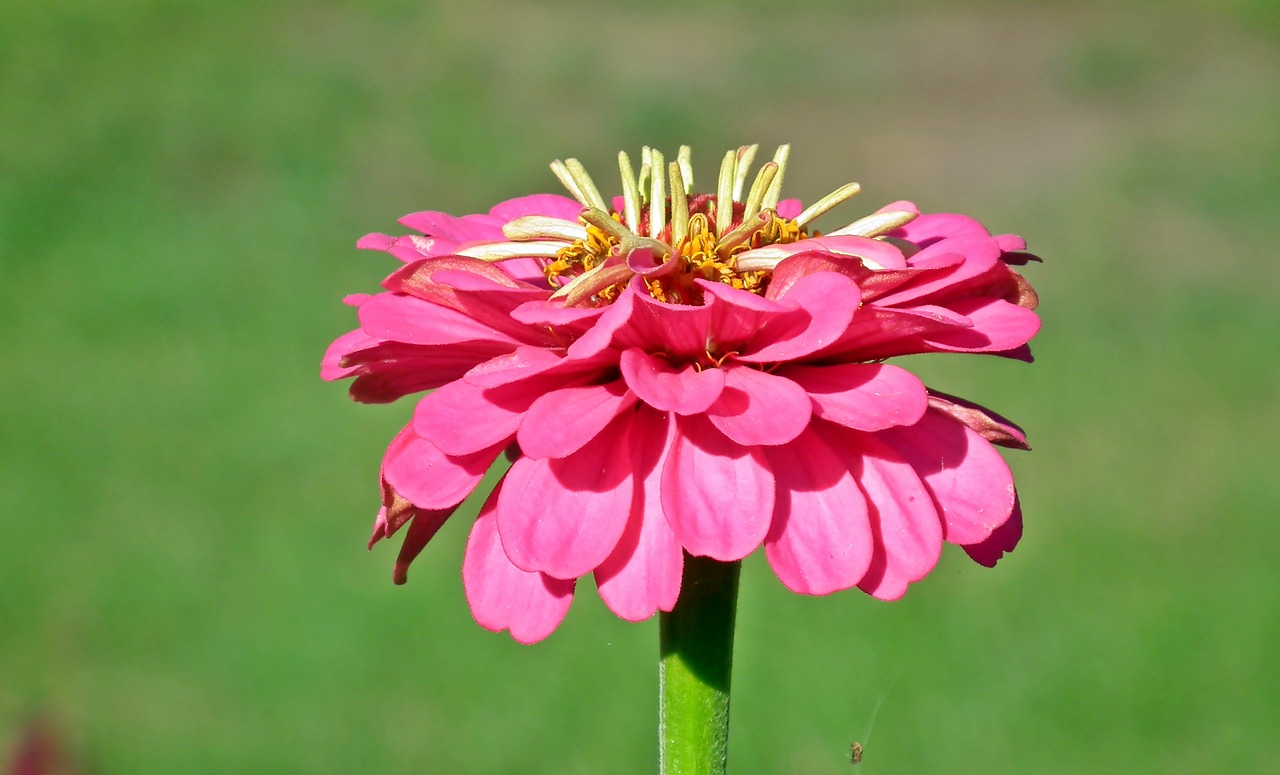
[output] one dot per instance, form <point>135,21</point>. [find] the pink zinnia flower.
<point>674,372</point>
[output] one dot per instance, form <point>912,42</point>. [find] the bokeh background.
<point>183,582</point>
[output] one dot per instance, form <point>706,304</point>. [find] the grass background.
<point>183,586</point>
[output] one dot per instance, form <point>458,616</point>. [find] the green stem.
<point>697,660</point>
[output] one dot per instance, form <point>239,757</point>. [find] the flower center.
<point>673,240</point>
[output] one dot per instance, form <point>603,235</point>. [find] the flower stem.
<point>697,660</point>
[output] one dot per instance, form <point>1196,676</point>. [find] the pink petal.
<point>718,495</point>
<point>414,321</point>
<point>454,229</point>
<point>968,480</point>
<point>559,423</point>
<point>553,314</point>
<point>643,574</point>
<point>390,370</point>
<point>331,365</point>
<point>980,254</point>
<point>428,478</point>
<point>736,316</point>
<point>519,364</point>
<point>903,516</point>
<point>997,326</point>
<point>460,419</point>
<point>760,408</point>
<point>637,319</point>
<point>882,332</point>
<point>1001,541</point>
<point>503,597</point>
<point>862,396</point>
<point>552,205</point>
<point>820,540</point>
<point>985,422</point>
<point>664,387</point>
<point>824,304</point>
<point>928,229</point>
<point>563,517</point>
<point>423,527</point>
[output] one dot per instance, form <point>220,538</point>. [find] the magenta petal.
<point>643,574</point>
<point>519,364</point>
<point>331,365</point>
<point>459,420</point>
<point>452,228</point>
<point>862,396</point>
<point>903,517</point>
<point>552,205</point>
<point>1001,541</point>
<point>968,480</point>
<point>503,597</point>
<point>718,495</point>
<point>760,408</point>
<point>428,478</point>
<point>820,540</point>
<point>824,304</point>
<point>998,325</point>
<point>564,516</point>
<point>422,529</point>
<point>663,387</point>
<point>414,321</point>
<point>929,228</point>
<point>654,326</point>
<point>560,422</point>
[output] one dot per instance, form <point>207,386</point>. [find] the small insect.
<point>855,753</point>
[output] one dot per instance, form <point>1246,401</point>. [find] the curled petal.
<point>504,597</point>
<point>1001,541</point>
<point>820,540</point>
<point>425,525</point>
<point>664,387</point>
<point>759,408</point>
<point>564,516</point>
<point>331,366</point>
<point>642,576</point>
<point>718,495</point>
<point>862,396</point>
<point>985,422</point>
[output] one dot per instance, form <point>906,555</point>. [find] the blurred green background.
<point>183,583</point>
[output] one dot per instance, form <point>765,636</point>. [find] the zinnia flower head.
<point>676,372</point>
